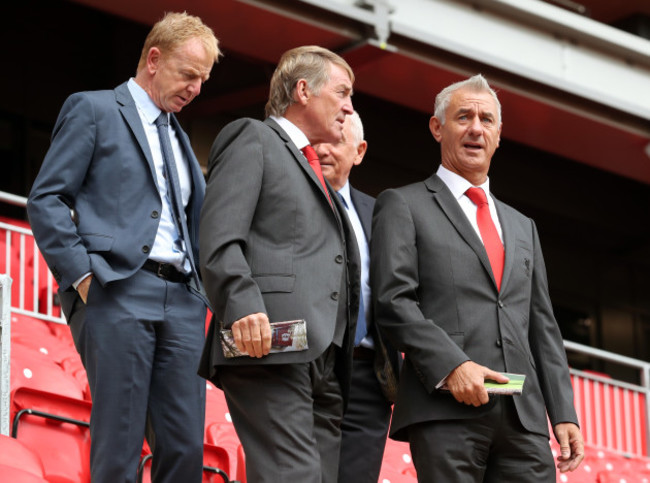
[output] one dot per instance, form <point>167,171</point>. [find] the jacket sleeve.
<point>56,187</point>
<point>394,274</point>
<point>547,347</point>
<point>233,187</point>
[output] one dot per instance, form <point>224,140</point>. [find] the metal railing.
<point>613,414</point>
<point>5,352</point>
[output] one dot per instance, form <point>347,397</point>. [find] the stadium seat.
<point>240,470</point>
<point>31,368</point>
<point>216,409</point>
<point>623,477</point>
<point>215,466</point>
<point>11,474</point>
<point>397,466</point>
<point>24,327</point>
<point>56,428</point>
<point>15,454</point>
<point>224,436</point>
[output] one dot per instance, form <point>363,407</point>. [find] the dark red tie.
<point>314,162</point>
<point>489,234</point>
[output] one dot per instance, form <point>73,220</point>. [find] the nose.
<point>347,106</point>
<point>476,127</point>
<point>195,87</point>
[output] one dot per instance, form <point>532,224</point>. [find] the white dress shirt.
<point>458,186</point>
<point>164,249</point>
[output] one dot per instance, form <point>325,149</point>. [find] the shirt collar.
<point>143,102</point>
<point>295,134</point>
<point>457,184</point>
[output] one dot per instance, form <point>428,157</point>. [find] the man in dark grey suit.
<point>114,210</point>
<point>276,246</point>
<point>374,367</point>
<point>461,289</point>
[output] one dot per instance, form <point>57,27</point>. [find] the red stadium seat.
<point>623,477</point>
<point>241,465</point>
<point>24,327</point>
<point>11,474</point>
<point>397,466</point>
<point>37,370</point>
<point>57,429</point>
<point>15,454</point>
<point>215,466</point>
<point>224,436</point>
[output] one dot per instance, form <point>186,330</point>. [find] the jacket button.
<point>500,304</point>
<point>154,214</point>
<point>145,248</point>
<point>499,343</point>
<point>334,296</point>
<point>339,259</point>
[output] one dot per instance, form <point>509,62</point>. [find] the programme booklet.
<point>286,336</point>
<point>514,387</point>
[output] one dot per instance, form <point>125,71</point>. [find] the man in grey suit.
<point>374,366</point>
<point>276,246</point>
<point>460,287</point>
<point>114,210</point>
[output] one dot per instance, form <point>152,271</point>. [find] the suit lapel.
<point>449,205</point>
<point>300,158</point>
<point>132,118</point>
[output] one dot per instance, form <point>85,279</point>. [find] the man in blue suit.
<point>374,366</point>
<point>115,211</point>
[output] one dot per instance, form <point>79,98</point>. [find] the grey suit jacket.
<point>100,164</point>
<point>436,299</point>
<point>271,243</point>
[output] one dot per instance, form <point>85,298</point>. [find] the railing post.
<point>5,352</point>
<point>645,382</point>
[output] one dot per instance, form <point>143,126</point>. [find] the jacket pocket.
<point>275,283</point>
<point>97,243</point>
<point>459,339</point>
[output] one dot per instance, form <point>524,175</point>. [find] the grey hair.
<point>356,127</point>
<point>309,62</point>
<point>476,83</point>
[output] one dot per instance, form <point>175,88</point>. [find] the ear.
<point>361,152</point>
<point>153,60</point>
<point>435,128</point>
<point>302,92</point>
<point>499,134</point>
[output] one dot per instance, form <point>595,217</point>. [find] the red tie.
<point>314,162</point>
<point>489,234</point>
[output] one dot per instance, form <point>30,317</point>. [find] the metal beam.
<point>530,38</point>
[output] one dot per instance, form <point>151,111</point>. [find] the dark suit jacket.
<point>272,243</point>
<point>436,299</point>
<point>100,164</point>
<point>385,354</point>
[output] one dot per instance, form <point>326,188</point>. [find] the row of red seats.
<point>50,408</point>
<point>605,466</point>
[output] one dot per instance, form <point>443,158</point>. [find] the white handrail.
<point>5,352</point>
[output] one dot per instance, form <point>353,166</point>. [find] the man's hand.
<point>466,383</point>
<point>252,334</point>
<point>83,287</point>
<point>572,446</point>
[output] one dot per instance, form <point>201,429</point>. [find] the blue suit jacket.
<point>100,164</point>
